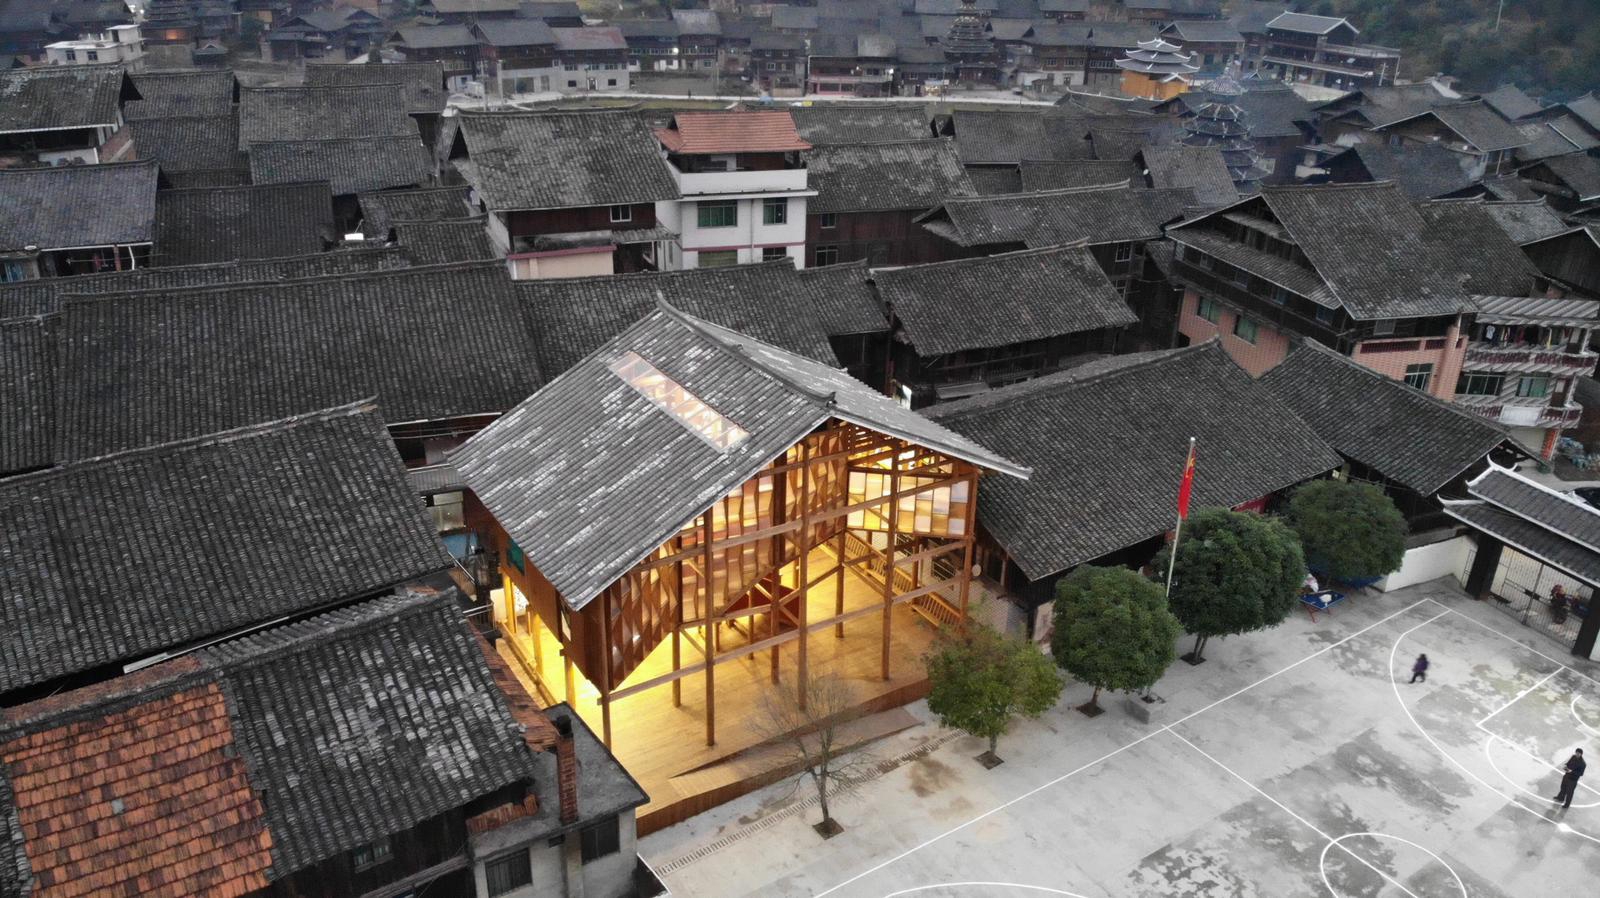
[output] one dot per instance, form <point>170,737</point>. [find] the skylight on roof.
<point>670,396</point>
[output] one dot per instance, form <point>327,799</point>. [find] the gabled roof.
<point>189,93</point>
<point>380,210</point>
<point>1421,171</point>
<point>27,392</point>
<point>731,131</point>
<point>1468,236</point>
<point>273,777</point>
<point>222,224</point>
<point>1476,124</point>
<point>557,160</point>
<point>902,175</point>
<point>1038,176</point>
<point>797,18</point>
<point>314,113</point>
<point>577,474</point>
<point>475,6</point>
<point>1201,169</point>
<point>1106,476</point>
<point>596,38</point>
<point>191,143</point>
<point>697,21</point>
<point>1562,513</point>
<point>432,37</point>
<point>1006,137</point>
<point>1114,214</point>
<point>67,96</point>
<point>437,242</point>
<point>1527,221</point>
<point>824,124</point>
<point>77,205</point>
<point>516,33</point>
<point>1528,536</point>
<point>995,180</point>
<point>1512,103</point>
<point>1579,172</point>
<point>1204,31</point>
<point>1403,433</point>
<point>1309,24</point>
<point>289,517</point>
<point>423,81</point>
<point>771,301</point>
<point>348,164</point>
<point>651,28</point>
<point>129,361</point>
<point>1587,109</point>
<point>1554,137</point>
<point>845,301</point>
<point>991,301</point>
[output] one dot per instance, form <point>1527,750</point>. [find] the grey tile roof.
<point>436,242</point>
<point>1307,24</point>
<point>1108,443</point>
<point>1423,172</point>
<point>27,392</point>
<point>797,18</point>
<point>905,175</point>
<point>222,224</point>
<point>1391,103</point>
<point>697,21</point>
<point>1474,244</point>
<point>1587,109</point>
<point>1579,172</point>
<point>1480,126</point>
<point>1268,266</point>
<point>433,37</point>
<point>1201,169</point>
<point>123,557</point>
<point>1078,173</point>
<point>380,210</point>
<point>1526,221</point>
<point>558,160</point>
<point>1509,188</point>
<point>589,476</point>
<point>193,93</point>
<point>191,143</point>
<point>349,165</point>
<point>313,113</point>
<point>1529,537</point>
<point>1401,432</point>
<point>572,317</point>
<point>517,33</point>
<point>77,205</point>
<point>1006,137</point>
<point>273,350</point>
<point>821,124</point>
<point>1555,137</point>
<point>1512,103</point>
<point>844,300</point>
<point>1204,31</point>
<point>647,28</point>
<point>68,96</point>
<point>995,180</point>
<point>1563,513</point>
<point>367,721</point>
<point>423,81</point>
<point>1058,217</point>
<point>990,301</point>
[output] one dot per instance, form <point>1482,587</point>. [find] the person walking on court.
<point>1569,781</point>
<point>1419,670</point>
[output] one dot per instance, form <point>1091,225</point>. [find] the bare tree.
<point>810,738</point>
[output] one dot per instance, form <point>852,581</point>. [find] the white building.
<point>744,188</point>
<point>119,43</point>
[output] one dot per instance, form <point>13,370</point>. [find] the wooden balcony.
<point>1506,358</point>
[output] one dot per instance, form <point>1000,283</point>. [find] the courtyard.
<point>1297,762</point>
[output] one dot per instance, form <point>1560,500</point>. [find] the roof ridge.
<point>1027,389</point>
<point>99,166</point>
<point>1125,183</point>
<point>272,643</point>
<point>286,89</point>
<point>978,260</point>
<point>941,139</point>
<point>411,137</point>
<point>466,265</point>
<point>217,438</point>
<point>285,185</point>
<point>702,328</point>
<point>644,276</point>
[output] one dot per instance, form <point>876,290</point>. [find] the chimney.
<point>566,769</point>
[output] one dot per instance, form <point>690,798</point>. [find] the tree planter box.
<point>1140,710</point>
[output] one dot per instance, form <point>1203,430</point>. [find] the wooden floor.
<point>664,747</point>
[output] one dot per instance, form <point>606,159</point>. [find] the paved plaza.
<point>1298,762</point>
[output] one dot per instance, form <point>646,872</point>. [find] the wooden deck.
<point>664,747</point>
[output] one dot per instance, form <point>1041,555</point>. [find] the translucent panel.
<point>670,396</point>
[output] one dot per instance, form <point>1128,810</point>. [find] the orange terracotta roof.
<point>742,131</point>
<point>538,731</point>
<point>150,798</point>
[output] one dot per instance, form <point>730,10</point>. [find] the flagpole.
<point>1172,562</point>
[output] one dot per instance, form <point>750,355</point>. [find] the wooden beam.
<point>888,564</point>
<point>942,549</point>
<point>802,574</point>
<point>924,590</point>
<point>838,590</point>
<point>969,539</point>
<point>605,667</point>
<point>711,638</point>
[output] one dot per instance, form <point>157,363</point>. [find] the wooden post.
<point>970,537</point>
<point>780,500</point>
<point>677,630</point>
<point>571,693</point>
<point>803,545</point>
<point>888,558</point>
<point>710,643</point>
<point>538,643</point>
<point>605,668</point>
<point>838,587</point>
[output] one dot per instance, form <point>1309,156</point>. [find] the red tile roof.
<point>740,131</point>
<point>148,799</point>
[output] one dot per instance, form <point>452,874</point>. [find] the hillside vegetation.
<point>1549,47</point>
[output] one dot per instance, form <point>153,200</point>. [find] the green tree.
<point>1236,572</point>
<point>1348,531</point>
<point>980,680</point>
<point>1112,630</point>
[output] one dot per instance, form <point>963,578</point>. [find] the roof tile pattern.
<point>225,224</point>
<point>1059,217</point>
<point>380,210</point>
<point>203,93</point>
<point>1038,176</point>
<point>27,393</point>
<point>531,160</point>
<point>879,177</point>
<point>191,143</point>
<point>349,165</point>
<point>1566,515</point>
<point>824,125</point>
<point>314,113</point>
<point>1201,169</point>
<point>735,131</point>
<point>438,242</point>
<point>68,96</point>
<point>77,205</point>
<point>423,81</point>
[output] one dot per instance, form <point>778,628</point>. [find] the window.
<point>1324,314</point>
<point>621,214</point>
<point>509,873</point>
<point>572,84</point>
<point>448,511</point>
<point>1480,384</point>
<point>371,854</point>
<point>826,255</point>
<point>1279,296</point>
<point>72,56</point>
<point>1533,386</point>
<point>828,220</point>
<point>719,258</point>
<point>611,82</point>
<point>774,253</point>
<point>570,66</point>
<point>775,210</point>
<point>1124,252</point>
<point>1209,310</point>
<point>1383,328</point>
<point>687,409</point>
<point>1245,329</point>
<point>600,840</point>
<point>1419,375</point>
<point>720,214</point>
<point>94,56</point>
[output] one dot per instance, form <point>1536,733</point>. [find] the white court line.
<point>1488,756</point>
<point>1579,717</point>
<point>1303,821</point>
<point>1520,696</point>
<point>1395,685</point>
<point>1006,885</point>
<point>1108,755</point>
<point>1322,862</point>
<point>1519,644</point>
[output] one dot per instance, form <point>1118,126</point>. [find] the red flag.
<point>1188,484</point>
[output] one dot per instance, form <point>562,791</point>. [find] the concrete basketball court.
<point>1293,763</point>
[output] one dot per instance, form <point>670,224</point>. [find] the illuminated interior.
<point>670,396</point>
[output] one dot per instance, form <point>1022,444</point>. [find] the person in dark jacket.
<point>1569,781</point>
<point>1419,670</point>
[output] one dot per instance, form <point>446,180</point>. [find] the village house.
<point>422,83</point>
<point>598,218</point>
<point>836,123</point>
<point>1083,54</point>
<point>380,211</point>
<point>1214,43</point>
<point>653,45</point>
<point>26,26</point>
<point>1570,183</point>
<point>59,115</point>
<point>467,12</point>
<point>188,122</point>
<point>854,65</point>
<point>699,38</point>
<point>870,194</point>
<point>741,178</point>
<point>1422,171</point>
<point>555,13</point>
<point>968,326</point>
<point>330,35</point>
<point>1323,51</point>
<point>1281,123</point>
<point>440,242</point>
<point>452,47</point>
<point>188,92</point>
<point>349,165</point>
<point>778,63</point>
<point>321,113</point>
<point>629,597</point>
<point>120,44</point>
<point>1156,69</point>
<point>81,219</point>
<point>592,59</point>
<point>518,55</point>
<point>1104,481</point>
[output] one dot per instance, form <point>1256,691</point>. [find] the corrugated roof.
<point>1562,312</point>
<point>731,131</point>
